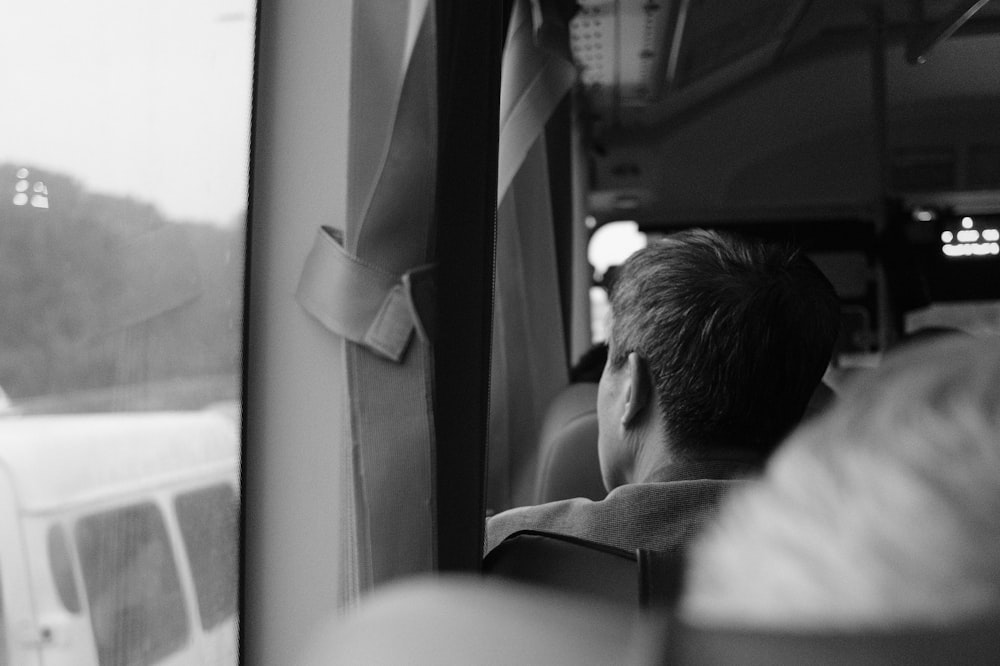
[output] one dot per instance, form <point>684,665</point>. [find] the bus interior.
<point>433,198</point>
<point>862,131</point>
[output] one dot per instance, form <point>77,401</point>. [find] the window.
<point>62,569</point>
<point>124,173</point>
<point>208,520</point>
<point>609,247</point>
<point>135,598</point>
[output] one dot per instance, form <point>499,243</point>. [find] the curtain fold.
<point>367,281</point>
<point>528,364</point>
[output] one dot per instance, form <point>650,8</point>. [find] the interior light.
<point>991,234</point>
<point>923,215</point>
<point>22,173</point>
<point>968,236</point>
<point>947,237</point>
<point>966,222</point>
<point>971,249</point>
<point>39,201</point>
<point>22,186</point>
<point>20,199</point>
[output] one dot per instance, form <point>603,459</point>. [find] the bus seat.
<point>975,641</point>
<point>458,620</point>
<point>661,579</point>
<point>643,579</point>
<point>566,563</point>
<point>568,465</point>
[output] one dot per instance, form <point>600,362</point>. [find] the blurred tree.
<point>99,291</point>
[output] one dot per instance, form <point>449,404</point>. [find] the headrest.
<point>568,463</point>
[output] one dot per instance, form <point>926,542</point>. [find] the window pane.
<point>136,604</point>
<point>209,523</point>
<point>124,162</point>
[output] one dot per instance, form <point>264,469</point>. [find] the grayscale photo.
<point>510,332</point>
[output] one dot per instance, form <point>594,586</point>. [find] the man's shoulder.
<point>560,516</point>
<point>630,516</point>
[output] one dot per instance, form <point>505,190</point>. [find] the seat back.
<point>643,579</point>
<point>568,564</point>
<point>661,579</point>
<point>454,620</point>
<point>568,464</point>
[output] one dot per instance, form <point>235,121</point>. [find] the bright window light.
<point>613,243</point>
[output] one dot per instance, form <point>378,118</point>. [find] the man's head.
<point>723,339</point>
<point>882,511</point>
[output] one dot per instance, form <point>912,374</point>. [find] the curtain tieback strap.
<point>365,304</point>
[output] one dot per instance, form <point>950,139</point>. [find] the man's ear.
<point>638,389</point>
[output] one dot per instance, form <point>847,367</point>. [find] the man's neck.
<point>656,460</point>
<point>653,457</point>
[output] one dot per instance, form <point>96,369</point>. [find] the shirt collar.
<point>720,466</point>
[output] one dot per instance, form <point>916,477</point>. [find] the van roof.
<point>55,461</point>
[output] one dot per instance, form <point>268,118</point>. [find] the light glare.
<point>971,249</point>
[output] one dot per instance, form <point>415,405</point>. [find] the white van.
<point>119,539</point>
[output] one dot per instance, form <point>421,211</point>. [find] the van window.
<point>62,569</point>
<point>208,519</point>
<point>136,604</point>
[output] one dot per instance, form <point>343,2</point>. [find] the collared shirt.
<point>663,515</point>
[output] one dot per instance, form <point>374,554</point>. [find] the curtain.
<point>528,363</point>
<point>367,280</point>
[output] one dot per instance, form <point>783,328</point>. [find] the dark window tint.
<point>136,604</point>
<point>208,520</point>
<point>62,569</point>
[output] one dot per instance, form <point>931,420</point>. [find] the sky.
<point>149,99</point>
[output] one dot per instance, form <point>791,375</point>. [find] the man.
<point>882,512</point>
<point>717,343</point>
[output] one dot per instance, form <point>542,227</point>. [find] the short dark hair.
<point>736,334</point>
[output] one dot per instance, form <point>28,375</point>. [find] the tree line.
<point>103,295</point>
